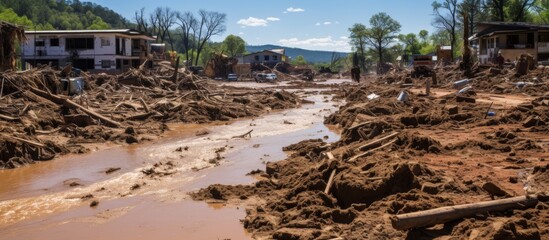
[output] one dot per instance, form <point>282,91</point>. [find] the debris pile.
<point>408,155</point>
<point>40,120</point>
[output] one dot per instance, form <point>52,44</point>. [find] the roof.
<point>491,28</point>
<point>275,51</point>
<point>130,32</point>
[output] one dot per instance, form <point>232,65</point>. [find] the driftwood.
<point>8,118</point>
<point>36,144</point>
<point>445,214</point>
<point>249,134</point>
<point>71,104</point>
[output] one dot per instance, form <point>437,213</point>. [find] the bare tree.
<point>446,19</point>
<point>211,24</point>
<point>165,18</point>
<point>188,24</point>
<point>142,24</point>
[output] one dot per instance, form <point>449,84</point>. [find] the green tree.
<point>234,45</point>
<point>299,60</point>
<point>412,44</point>
<point>519,10</point>
<point>382,32</point>
<point>10,16</point>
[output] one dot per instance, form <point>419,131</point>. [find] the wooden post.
<point>487,111</point>
<point>445,214</point>
<point>427,86</point>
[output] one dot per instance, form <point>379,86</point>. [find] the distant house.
<point>267,57</point>
<point>99,50</point>
<point>511,40</point>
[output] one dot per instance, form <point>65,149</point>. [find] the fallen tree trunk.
<point>71,104</point>
<point>445,214</point>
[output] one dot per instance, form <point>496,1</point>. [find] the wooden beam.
<point>445,214</point>
<point>374,142</point>
<point>354,158</point>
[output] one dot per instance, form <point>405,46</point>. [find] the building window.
<point>275,58</point>
<point>256,57</point>
<point>512,40</point>
<point>105,42</point>
<point>54,42</point>
<point>106,63</point>
<point>80,43</point>
<point>40,43</point>
<point>266,57</point>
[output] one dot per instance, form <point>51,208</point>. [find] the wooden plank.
<point>445,214</point>
<point>374,142</point>
<point>332,175</point>
<point>354,158</point>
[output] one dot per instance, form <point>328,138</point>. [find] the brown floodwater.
<point>36,201</point>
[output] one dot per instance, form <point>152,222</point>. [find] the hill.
<point>312,56</point>
<point>64,15</point>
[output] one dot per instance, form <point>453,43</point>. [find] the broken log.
<point>36,144</point>
<point>445,214</point>
<point>249,133</point>
<point>71,104</point>
<point>141,116</point>
<point>145,106</point>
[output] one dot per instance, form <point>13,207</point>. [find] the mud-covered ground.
<point>434,151</point>
<point>39,122</point>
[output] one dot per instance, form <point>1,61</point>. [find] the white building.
<point>90,50</point>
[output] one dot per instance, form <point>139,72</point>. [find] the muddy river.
<point>51,200</point>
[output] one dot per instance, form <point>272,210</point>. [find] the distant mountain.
<point>310,56</point>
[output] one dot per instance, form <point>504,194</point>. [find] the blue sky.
<point>309,24</point>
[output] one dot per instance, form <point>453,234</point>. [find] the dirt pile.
<point>39,120</point>
<point>402,156</point>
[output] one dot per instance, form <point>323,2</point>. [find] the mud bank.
<point>152,181</point>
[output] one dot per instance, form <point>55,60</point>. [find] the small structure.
<point>9,35</point>
<point>267,57</point>
<point>511,40</point>
<point>444,54</point>
<point>114,50</point>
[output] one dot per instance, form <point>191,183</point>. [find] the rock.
<point>131,139</point>
<point>465,99</point>
<point>453,109</point>
<point>533,121</point>
<point>431,188</point>
<point>495,190</point>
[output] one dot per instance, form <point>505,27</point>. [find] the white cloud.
<point>324,43</point>
<point>253,22</point>
<point>256,22</point>
<point>317,24</point>
<point>241,33</point>
<point>291,9</point>
<point>344,38</point>
<point>327,23</point>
